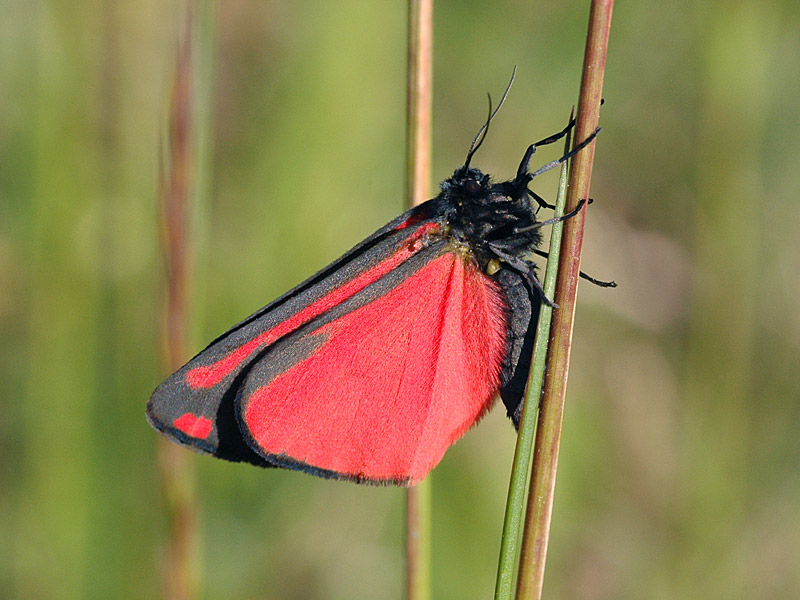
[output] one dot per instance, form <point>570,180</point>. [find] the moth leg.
<point>523,268</point>
<point>543,203</point>
<point>567,156</point>
<point>583,275</point>
<point>554,220</point>
<point>522,171</point>
<point>540,201</point>
<point>524,176</point>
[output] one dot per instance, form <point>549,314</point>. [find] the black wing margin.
<point>203,418</point>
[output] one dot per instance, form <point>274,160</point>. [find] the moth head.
<point>467,182</point>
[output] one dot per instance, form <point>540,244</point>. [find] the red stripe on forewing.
<point>210,375</point>
<point>394,383</point>
<point>194,426</point>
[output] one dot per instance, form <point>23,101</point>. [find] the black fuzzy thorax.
<point>493,220</point>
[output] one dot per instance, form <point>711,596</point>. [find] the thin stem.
<point>418,541</point>
<point>419,97</point>
<point>418,154</point>
<point>548,432</point>
<point>178,186</point>
<point>509,548</point>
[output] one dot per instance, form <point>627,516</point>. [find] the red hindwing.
<point>382,391</point>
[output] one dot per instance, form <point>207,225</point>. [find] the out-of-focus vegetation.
<point>680,467</point>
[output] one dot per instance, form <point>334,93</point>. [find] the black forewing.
<point>523,315</point>
<point>175,398</point>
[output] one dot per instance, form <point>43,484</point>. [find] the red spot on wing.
<point>194,426</point>
<point>211,375</point>
<point>396,381</point>
<point>415,218</point>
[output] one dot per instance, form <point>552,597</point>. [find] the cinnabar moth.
<point>369,370</point>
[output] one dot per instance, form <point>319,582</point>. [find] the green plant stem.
<point>418,161</point>
<point>527,426</point>
<point>548,431</point>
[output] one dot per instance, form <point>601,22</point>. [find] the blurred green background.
<point>680,465</point>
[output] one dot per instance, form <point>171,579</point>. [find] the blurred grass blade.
<point>419,102</point>
<point>178,188</point>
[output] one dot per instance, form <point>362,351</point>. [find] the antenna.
<point>484,130</point>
